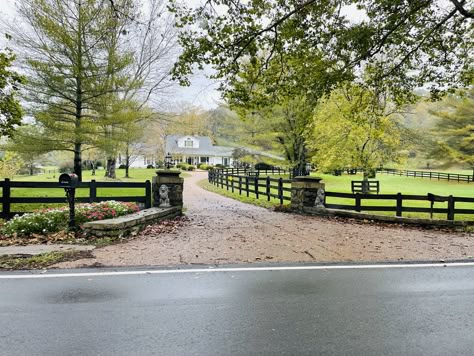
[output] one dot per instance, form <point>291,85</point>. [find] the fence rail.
<point>253,184</point>
<point>427,174</point>
<point>450,211</point>
<point>272,187</point>
<point>6,200</point>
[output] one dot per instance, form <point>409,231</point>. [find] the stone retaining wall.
<point>132,223</point>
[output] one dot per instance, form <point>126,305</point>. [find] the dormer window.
<point>188,143</point>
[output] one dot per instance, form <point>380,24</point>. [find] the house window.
<point>204,159</point>
<point>188,143</point>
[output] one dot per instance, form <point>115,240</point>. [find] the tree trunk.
<point>78,161</point>
<point>78,114</point>
<point>31,169</point>
<point>127,162</point>
<point>110,171</point>
<point>93,167</point>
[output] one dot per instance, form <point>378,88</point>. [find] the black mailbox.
<point>68,180</point>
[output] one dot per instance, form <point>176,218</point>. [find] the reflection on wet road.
<point>422,311</point>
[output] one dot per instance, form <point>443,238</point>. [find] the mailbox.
<point>68,180</point>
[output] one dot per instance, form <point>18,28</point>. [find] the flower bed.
<point>52,220</point>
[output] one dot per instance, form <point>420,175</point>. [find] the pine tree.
<point>67,52</point>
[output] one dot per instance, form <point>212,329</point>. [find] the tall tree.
<point>455,128</point>
<point>152,42</point>
<point>66,52</point>
<point>408,43</point>
<point>10,109</point>
<point>353,127</point>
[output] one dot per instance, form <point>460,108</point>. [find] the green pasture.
<point>407,186</point>
<point>388,185</point>
<point>136,175</point>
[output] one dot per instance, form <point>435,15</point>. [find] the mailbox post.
<point>69,182</point>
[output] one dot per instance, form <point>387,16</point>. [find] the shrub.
<point>55,219</point>
<point>263,166</point>
<point>219,165</point>
<point>122,166</point>
<point>185,167</point>
<point>150,166</point>
<point>206,167</point>
<point>66,167</point>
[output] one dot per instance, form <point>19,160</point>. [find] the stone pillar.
<point>169,181</point>
<point>304,191</point>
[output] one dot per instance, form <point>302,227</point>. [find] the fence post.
<point>357,202</point>
<point>147,194</point>
<point>92,191</point>
<point>280,190</point>
<point>450,207</point>
<point>268,188</point>
<point>232,182</point>
<point>399,204</point>
<point>247,185</point>
<point>6,199</point>
<point>256,187</point>
<point>240,185</point>
<point>227,181</point>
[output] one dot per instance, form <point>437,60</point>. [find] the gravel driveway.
<point>223,230</point>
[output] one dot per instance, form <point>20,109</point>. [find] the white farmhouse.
<point>197,149</point>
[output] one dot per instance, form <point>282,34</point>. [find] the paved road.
<point>391,311</point>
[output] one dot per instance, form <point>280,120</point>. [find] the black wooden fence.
<point>253,184</point>
<point>261,187</point>
<point>427,174</point>
<point>398,199</point>
<point>6,200</point>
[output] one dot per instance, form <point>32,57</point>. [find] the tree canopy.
<point>405,43</point>
<point>455,128</point>
<point>352,128</point>
<point>10,81</point>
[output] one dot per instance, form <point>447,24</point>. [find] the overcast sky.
<point>202,91</point>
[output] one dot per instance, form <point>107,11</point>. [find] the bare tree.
<point>152,40</point>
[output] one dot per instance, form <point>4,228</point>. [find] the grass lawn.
<point>136,175</point>
<point>404,185</point>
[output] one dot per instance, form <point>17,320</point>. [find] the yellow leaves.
<point>10,165</point>
<point>348,129</point>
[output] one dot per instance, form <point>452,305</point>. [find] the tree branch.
<point>462,10</point>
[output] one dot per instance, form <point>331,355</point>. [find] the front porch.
<point>195,160</point>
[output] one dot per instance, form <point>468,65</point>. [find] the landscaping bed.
<point>52,220</point>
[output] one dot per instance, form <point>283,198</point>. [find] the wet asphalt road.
<point>422,311</point>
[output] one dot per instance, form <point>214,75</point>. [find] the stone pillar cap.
<point>307,179</point>
<point>168,172</point>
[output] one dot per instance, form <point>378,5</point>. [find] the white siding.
<point>182,141</point>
